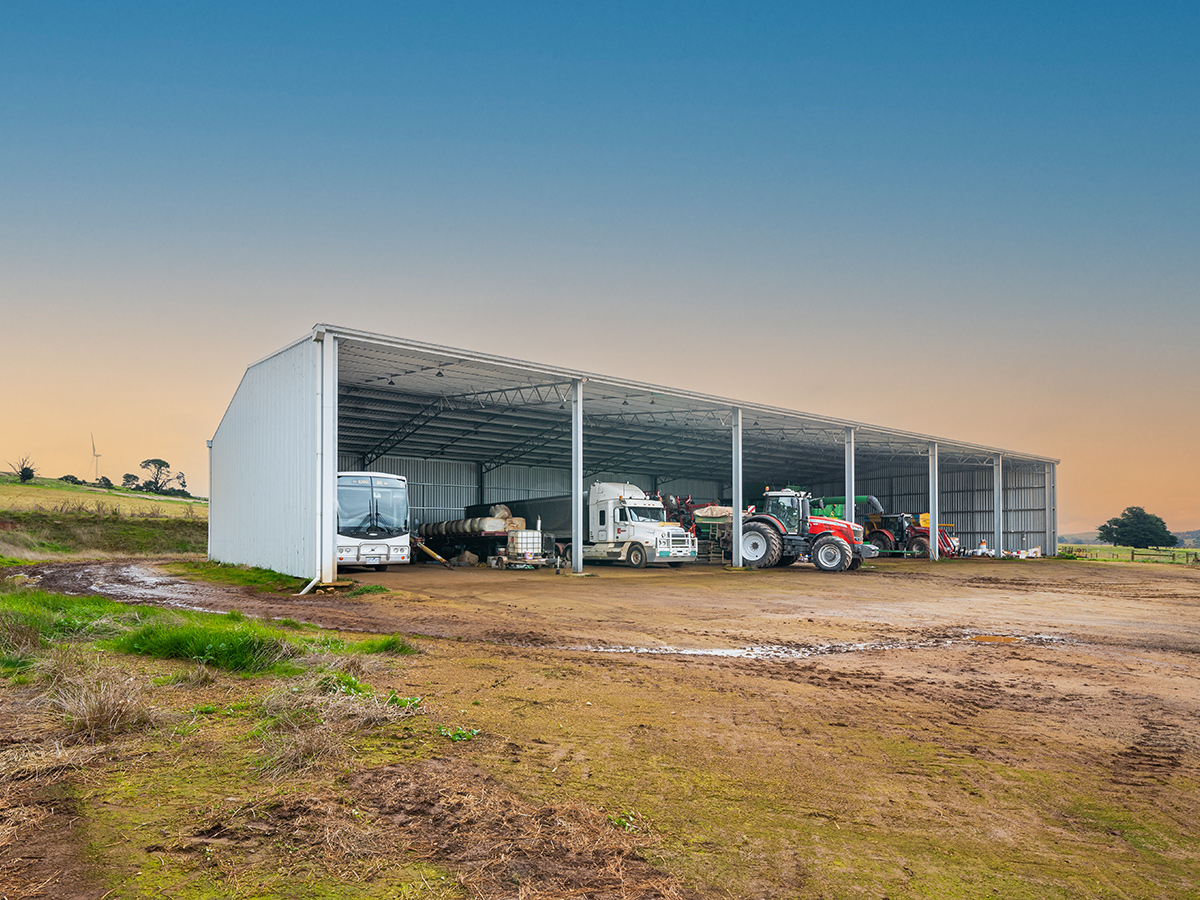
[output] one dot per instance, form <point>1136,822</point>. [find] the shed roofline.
<point>609,381</point>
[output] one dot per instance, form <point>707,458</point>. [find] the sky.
<point>976,221</point>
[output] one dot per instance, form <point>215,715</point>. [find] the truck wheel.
<point>831,554</point>
<point>675,565</point>
<point>881,541</point>
<point>379,568</point>
<point>636,557</point>
<point>918,547</point>
<point>761,546</point>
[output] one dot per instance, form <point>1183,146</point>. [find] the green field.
<point>48,519</point>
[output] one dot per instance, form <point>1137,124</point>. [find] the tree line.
<point>158,477</point>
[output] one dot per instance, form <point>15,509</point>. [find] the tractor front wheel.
<point>761,546</point>
<point>918,547</point>
<point>831,554</point>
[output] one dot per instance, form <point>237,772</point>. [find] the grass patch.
<point>391,643</point>
<point>243,576</point>
<point>43,533</point>
<point>60,617</point>
<point>362,589</point>
<point>216,641</point>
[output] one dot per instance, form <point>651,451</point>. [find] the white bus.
<point>372,520</point>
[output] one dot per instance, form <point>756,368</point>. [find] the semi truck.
<point>621,523</point>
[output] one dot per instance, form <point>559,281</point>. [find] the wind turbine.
<point>95,458</point>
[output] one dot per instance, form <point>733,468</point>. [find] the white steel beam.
<point>934,534</point>
<point>327,463</point>
<point>848,512</point>
<point>1051,509</point>
<point>737,487</point>
<point>577,476</point>
<point>998,504</point>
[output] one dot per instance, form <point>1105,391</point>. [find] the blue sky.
<point>1006,194</point>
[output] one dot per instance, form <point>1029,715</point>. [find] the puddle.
<point>803,651</point>
<point>126,583</point>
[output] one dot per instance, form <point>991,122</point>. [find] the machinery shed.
<point>467,428</point>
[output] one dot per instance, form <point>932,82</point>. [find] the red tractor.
<point>781,529</point>
<point>900,534</point>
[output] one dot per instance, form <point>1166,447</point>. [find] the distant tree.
<point>129,480</point>
<point>1137,528</point>
<point>104,481</point>
<point>24,469</point>
<point>69,479</point>
<point>160,475</point>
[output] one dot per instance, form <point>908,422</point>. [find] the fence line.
<point>1129,554</point>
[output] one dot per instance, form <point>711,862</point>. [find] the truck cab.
<point>626,524</point>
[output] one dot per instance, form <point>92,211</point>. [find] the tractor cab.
<point>789,506</point>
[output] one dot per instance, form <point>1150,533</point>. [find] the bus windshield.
<point>372,506</point>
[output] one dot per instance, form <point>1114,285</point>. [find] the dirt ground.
<point>1023,728</point>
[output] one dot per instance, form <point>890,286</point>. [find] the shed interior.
<point>467,428</point>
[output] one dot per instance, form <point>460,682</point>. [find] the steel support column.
<point>327,462</point>
<point>998,504</point>
<point>737,488</point>
<point>934,533</point>
<point>577,476</point>
<point>848,512</point>
<point>1051,548</point>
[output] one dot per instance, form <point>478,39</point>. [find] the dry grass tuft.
<point>42,761</point>
<point>289,745</point>
<point>309,722</point>
<point>18,640</point>
<point>95,702</point>
<point>197,675</point>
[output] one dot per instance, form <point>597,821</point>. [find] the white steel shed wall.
<point>264,492</point>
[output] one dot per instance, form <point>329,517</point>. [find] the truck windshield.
<point>372,506</point>
<point>647,514</point>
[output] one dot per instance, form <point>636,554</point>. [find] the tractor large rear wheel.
<point>761,546</point>
<point>881,541</point>
<point>831,554</point>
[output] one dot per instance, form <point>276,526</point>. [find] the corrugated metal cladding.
<point>438,489</point>
<point>965,500</point>
<point>263,501</point>
<point>441,489</point>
